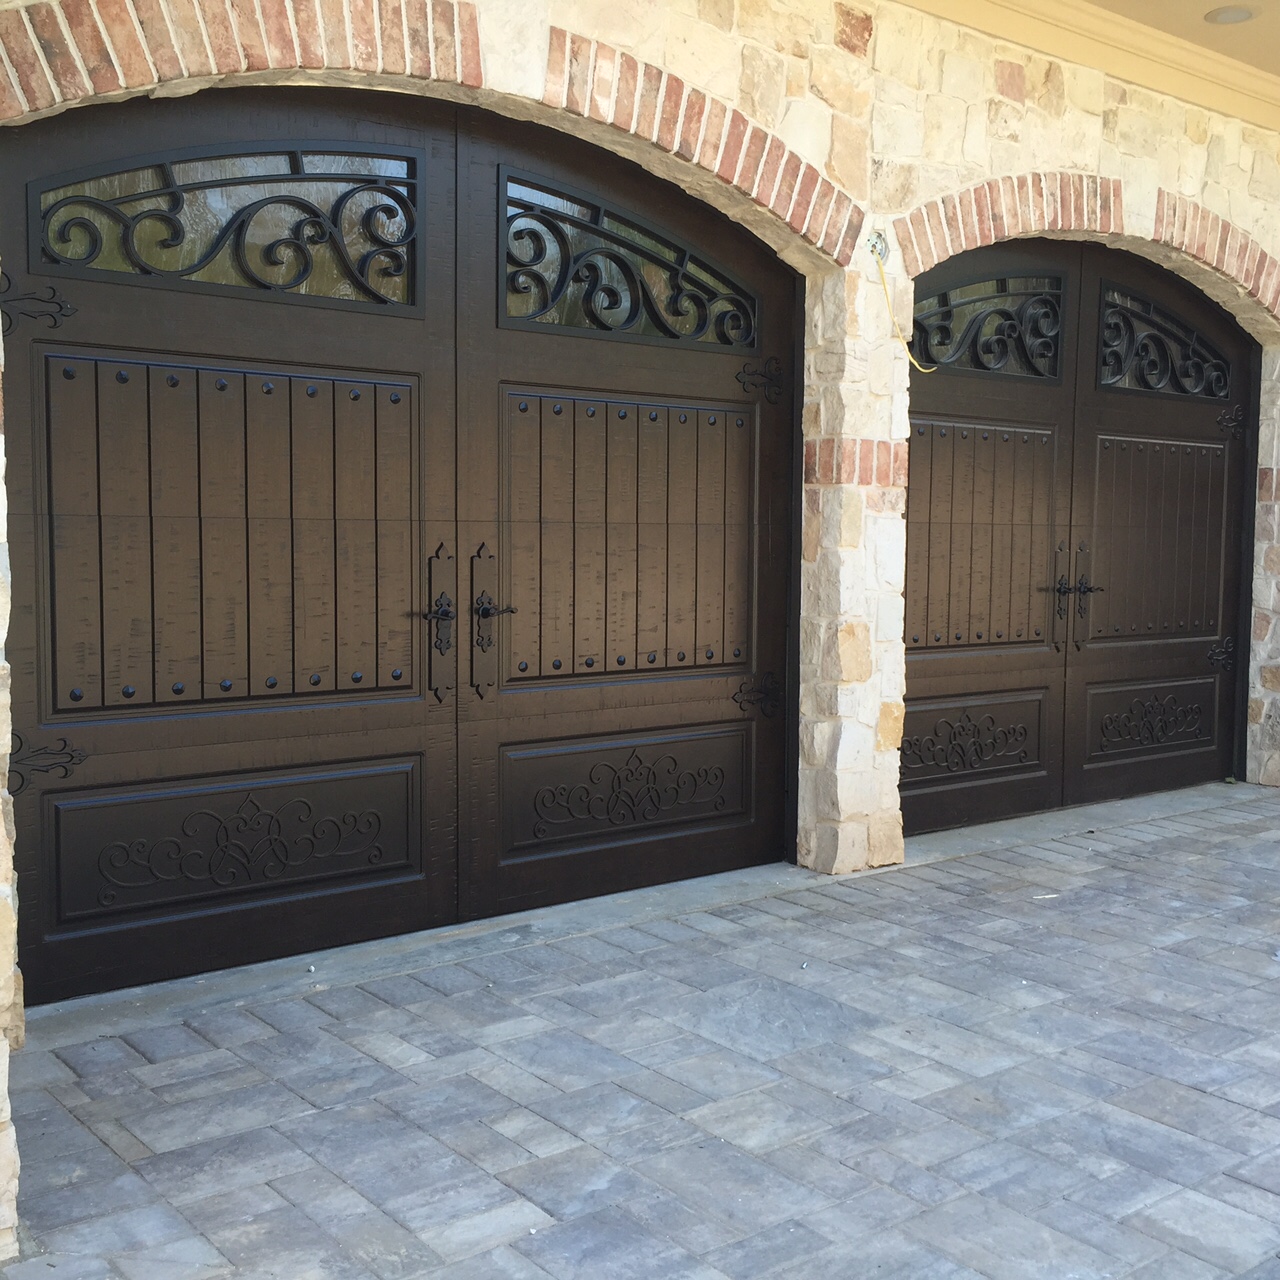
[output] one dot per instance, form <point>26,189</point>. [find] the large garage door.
<point>1077,511</point>
<point>401,515</point>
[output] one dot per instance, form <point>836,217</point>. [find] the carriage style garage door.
<point>401,520</point>
<point>1078,503</point>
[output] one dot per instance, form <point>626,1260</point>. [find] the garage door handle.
<point>485,608</point>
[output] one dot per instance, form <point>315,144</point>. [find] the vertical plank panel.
<point>556,522</point>
<point>919,497</point>
<point>1001,455</point>
<point>268,456</point>
<point>682,535</point>
<point>396,474</point>
<point>1125,518</point>
<point>651,536</point>
<point>521,528</point>
<point>1165,465</point>
<point>315,622</point>
<point>1216,541</point>
<point>1102,541</point>
<point>175,532</point>
<point>709,637</point>
<point>355,531</point>
<point>73,508</point>
<point>739,451</point>
<point>124,496</point>
<point>1023,594</point>
<point>589,498</point>
<point>961,602</point>
<point>942,486</point>
<point>620,540</point>
<point>982,570</point>
<point>1044,537</point>
<point>223,541</point>
<point>1196,560</point>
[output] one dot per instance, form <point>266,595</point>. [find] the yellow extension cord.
<point>906,346</point>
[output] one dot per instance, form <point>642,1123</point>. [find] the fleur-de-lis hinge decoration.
<point>767,695</point>
<point>1223,655</point>
<point>58,760</point>
<point>763,378</point>
<point>1232,420</point>
<point>41,304</point>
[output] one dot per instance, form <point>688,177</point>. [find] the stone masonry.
<point>809,122</point>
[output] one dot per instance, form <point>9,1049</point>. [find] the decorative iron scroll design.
<point>965,743</point>
<point>575,262</point>
<point>252,845</point>
<point>1143,347</point>
<point>59,760</point>
<point>1223,655</point>
<point>310,224</point>
<point>1231,421</point>
<point>765,378</point>
<point>41,304</point>
<point>766,695</point>
<point>1010,325</point>
<point>634,792</point>
<point>1151,722</point>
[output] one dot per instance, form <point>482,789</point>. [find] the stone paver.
<point>1048,1049</point>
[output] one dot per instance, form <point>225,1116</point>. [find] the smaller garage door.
<point>1078,512</point>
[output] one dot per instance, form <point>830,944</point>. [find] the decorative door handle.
<point>1063,589</point>
<point>1083,590</point>
<point>442,613</point>
<point>485,608</point>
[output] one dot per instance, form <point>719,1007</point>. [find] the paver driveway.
<point>1053,1059</point>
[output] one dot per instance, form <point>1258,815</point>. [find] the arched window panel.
<point>1010,325</point>
<point>1145,347</point>
<point>324,224</point>
<point>571,262</point>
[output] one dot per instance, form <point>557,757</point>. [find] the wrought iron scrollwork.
<point>1223,655</point>
<point>1152,722</point>
<point>45,304</point>
<point>1010,325</point>
<point>1143,347</point>
<point>1231,422</point>
<point>628,794</point>
<point>965,743</point>
<point>59,760</point>
<point>252,845</point>
<point>574,261</point>
<point>301,223</point>
<point>767,695</point>
<point>764,377</point>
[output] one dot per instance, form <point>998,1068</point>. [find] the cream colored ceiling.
<point>1256,43</point>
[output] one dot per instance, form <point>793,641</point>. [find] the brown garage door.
<point>401,529</point>
<point>1077,514</point>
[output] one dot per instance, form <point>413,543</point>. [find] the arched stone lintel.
<point>60,53</point>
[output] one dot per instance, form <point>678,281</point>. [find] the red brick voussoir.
<point>650,103</point>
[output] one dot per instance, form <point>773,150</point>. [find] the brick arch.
<point>60,53</point>
<point>1004,208</point>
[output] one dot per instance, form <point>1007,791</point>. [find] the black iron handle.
<point>443,612</point>
<point>485,607</point>
<point>1063,589</point>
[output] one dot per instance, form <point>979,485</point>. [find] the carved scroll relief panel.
<point>146,847</point>
<point>602,790</point>
<point>1148,719</point>
<point>955,741</point>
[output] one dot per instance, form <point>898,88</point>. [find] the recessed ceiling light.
<point>1228,15</point>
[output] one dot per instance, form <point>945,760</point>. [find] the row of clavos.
<point>268,388</point>
<point>557,664</point>
<point>978,635</point>
<point>623,414</point>
<point>1004,436</point>
<point>271,682</point>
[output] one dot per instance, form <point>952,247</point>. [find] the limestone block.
<point>897,130</point>
<point>763,84</point>
<point>719,13</point>
<point>836,848</point>
<point>884,839</point>
<point>806,126</point>
<point>839,81</point>
<point>1264,177</point>
<point>945,121</point>
<point>889,728</point>
<point>703,55</point>
<point>517,63</point>
<point>853,30</point>
<point>1270,677</point>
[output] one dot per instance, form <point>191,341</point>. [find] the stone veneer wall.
<point>805,120</point>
